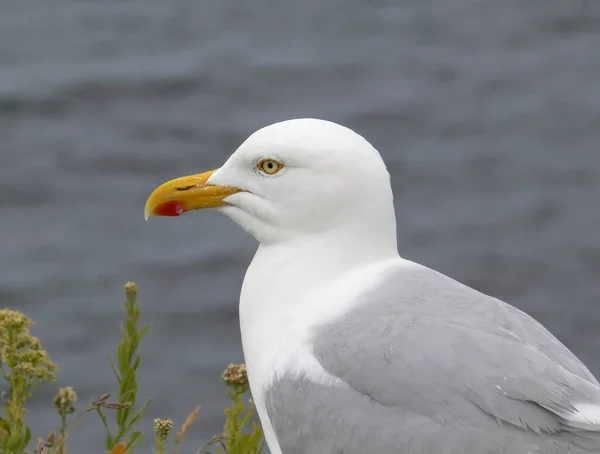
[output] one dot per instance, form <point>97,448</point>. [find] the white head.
<point>290,181</point>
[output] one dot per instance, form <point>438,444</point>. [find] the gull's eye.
<point>269,166</point>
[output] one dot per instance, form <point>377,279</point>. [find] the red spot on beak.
<point>171,208</point>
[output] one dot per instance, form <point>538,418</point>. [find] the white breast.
<point>278,308</point>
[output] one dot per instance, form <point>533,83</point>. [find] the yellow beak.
<point>177,196</point>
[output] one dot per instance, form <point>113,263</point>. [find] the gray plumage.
<point>432,366</point>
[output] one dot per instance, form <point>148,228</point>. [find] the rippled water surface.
<point>486,111</point>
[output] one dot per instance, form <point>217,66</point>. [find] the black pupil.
<point>270,165</point>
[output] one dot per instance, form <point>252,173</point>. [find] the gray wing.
<point>433,366</point>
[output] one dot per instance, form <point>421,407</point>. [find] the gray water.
<point>487,113</point>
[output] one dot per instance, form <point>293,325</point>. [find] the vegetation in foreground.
<point>25,365</point>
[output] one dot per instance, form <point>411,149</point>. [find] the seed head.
<point>236,377</point>
<point>130,288</point>
<point>162,428</point>
<point>22,350</point>
<point>65,400</point>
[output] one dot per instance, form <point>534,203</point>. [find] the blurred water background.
<point>486,111</point>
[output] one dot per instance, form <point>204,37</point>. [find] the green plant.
<point>24,365</point>
<point>64,401</point>
<point>236,439</point>
<point>162,429</point>
<point>125,370</point>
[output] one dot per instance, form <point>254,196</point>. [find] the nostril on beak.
<point>184,188</point>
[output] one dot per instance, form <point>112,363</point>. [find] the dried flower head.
<point>236,377</point>
<point>162,428</point>
<point>50,440</point>
<point>184,428</point>
<point>65,400</point>
<point>130,287</point>
<point>39,446</point>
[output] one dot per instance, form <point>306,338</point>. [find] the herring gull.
<point>352,349</point>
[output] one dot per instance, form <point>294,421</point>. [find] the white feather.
<point>586,417</point>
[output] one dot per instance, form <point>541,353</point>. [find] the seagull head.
<point>291,180</point>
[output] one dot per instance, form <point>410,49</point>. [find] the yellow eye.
<point>269,166</point>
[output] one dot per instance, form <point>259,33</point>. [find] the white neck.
<point>278,281</point>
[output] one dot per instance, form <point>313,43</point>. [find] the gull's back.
<point>432,366</point>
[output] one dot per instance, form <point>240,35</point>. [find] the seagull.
<point>352,349</point>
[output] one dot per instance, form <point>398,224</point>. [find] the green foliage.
<point>237,437</point>
<point>128,361</point>
<point>25,365</point>
<point>238,417</point>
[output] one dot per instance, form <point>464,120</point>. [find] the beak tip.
<point>173,198</point>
